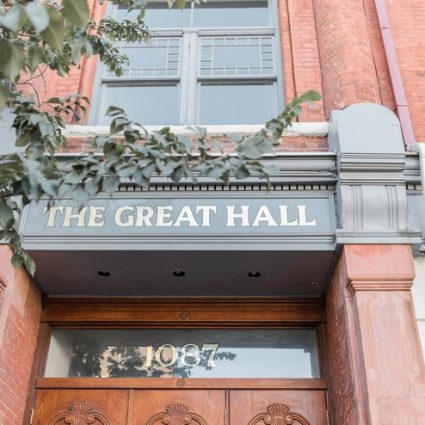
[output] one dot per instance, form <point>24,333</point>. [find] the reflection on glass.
<point>237,56</point>
<point>183,353</point>
<point>146,105</point>
<point>224,13</point>
<point>231,14</point>
<point>159,15</point>
<point>160,58</point>
<point>237,103</point>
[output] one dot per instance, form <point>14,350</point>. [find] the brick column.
<point>346,58</point>
<point>20,310</point>
<point>376,371</point>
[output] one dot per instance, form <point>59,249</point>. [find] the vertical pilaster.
<point>348,69</point>
<point>376,369</point>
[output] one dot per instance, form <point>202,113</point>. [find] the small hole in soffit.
<point>178,273</point>
<point>103,273</point>
<point>255,274</point>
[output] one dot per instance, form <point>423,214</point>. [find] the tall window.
<point>214,63</point>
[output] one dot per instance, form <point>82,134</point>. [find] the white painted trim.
<point>306,129</point>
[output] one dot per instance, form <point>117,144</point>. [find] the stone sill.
<point>298,129</point>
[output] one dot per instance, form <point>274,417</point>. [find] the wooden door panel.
<point>277,407</point>
<point>177,407</point>
<point>81,407</point>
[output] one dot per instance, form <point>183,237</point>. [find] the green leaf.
<point>271,169</point>
<point>30,265</point>
<point>12,18</point>
<point>255,146</point>
<point>4,95</point>
<point>113,111</point>
<point>76,11</point>
<point>17,260</point>
<point>38,15</point>
<point>6,214</point>
<point>110,184</point>
<point>12,58</point>
<point>35,56</point>
<point>310,96</point>
<point>54,34</point>
<point>81,197</point>
<point>242,172</point>
<point>180,4</point>
<point>50,187</point>
<point>45,128</point>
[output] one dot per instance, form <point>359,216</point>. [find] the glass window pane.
<point>160,58</point>
<point>237,103</point>
<point>231,14</point>
<point>147,105</point>
<point>243,56</point>
<point>248,353</point>
<point>159,15</point>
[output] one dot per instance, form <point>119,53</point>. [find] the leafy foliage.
<point>37,35</point>
<point>130,361</point>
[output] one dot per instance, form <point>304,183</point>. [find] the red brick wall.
<point>407,20</point>
<point>20,310</point>
<point>333,46</point>
<point>300,54</point>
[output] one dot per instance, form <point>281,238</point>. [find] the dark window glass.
<point>231,14</point>
<point>237,103</point>
<point>147,105</point>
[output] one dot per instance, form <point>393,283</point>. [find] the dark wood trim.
<point>178,312</point>
<point>38,367</point>
<point>173,383</point>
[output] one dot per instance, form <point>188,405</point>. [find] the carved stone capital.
<point>371,189</point>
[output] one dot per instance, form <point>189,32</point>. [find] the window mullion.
<point>189,68</point>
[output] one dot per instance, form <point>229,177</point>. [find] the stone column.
<point>346,58</point>
<point>376,371</point>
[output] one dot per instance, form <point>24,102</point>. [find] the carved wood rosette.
<point>176,414</point>
<point>80,413</point>
<point>278,414</point>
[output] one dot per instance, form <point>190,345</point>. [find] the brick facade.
<point>333,46</point>
<point>20,310</point>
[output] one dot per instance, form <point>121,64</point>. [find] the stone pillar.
<point>376,372</point>
<point>20,311</point>
<point>348,69</point>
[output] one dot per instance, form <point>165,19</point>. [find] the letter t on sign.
<point>52,215</point>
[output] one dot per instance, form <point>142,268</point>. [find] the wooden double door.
<point>166,406</point>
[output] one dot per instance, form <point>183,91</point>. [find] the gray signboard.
<point>160,220</point>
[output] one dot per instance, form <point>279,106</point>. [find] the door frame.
<point>177,313</point>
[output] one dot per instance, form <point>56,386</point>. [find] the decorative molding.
<point>153,311</point>
<point>278,414</point>
<point>220,187</point>
<point>184,315</point>
<point>374,285</point>
<point>80,413</point>
<point>181,383</point>
<point>371,189</point>
<point>176,414</point>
